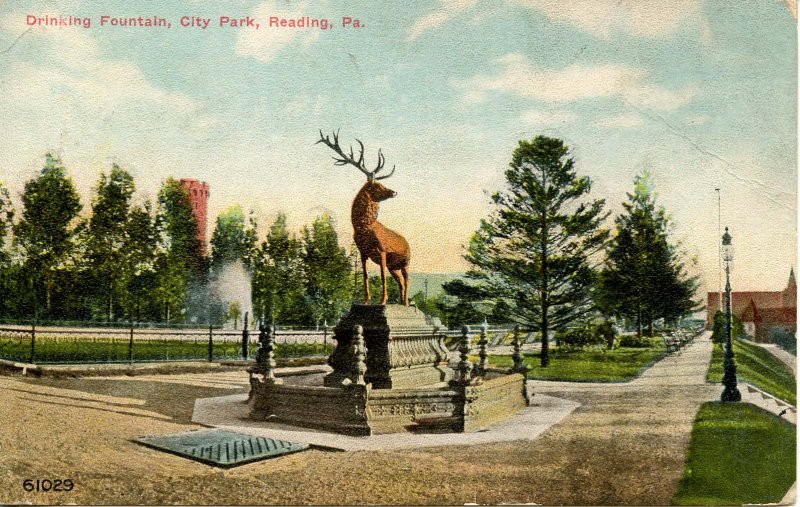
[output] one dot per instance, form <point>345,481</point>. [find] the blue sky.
<point>701,93</point>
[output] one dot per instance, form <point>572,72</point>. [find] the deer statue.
<point>380,244</point>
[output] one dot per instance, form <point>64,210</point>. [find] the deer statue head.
<point>377,191</point>
<point>374,241</point>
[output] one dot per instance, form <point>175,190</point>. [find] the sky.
<point>703,94</point>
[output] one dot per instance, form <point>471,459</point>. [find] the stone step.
<point>759,398</point>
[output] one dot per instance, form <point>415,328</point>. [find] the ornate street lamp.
<point>730,393</point>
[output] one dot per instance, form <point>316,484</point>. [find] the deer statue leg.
<point>404,271</point>
<point>366,278</point>
<point>385,295</point>
<point>399,279</point>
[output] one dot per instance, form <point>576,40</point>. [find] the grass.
<point>106,350</point>
<point>758,367</point>
<point>590,365</point>
<point>738,454</point>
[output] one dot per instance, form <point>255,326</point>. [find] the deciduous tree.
<point>7,268</point>
<point>328,272</point>
<point>232,240</point>
<point>107,233</point>
<point>45,232</point>
<point>181,267</point>
<point>278,278</point>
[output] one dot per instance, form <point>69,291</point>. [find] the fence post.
<point>516,356</point>
<point>210,342</point>
<point>325,335</point>
<point>130,346</point>
<point>482,342</point>
<point>464,365</point>
<point>245,338</point>
<point>33,342</point>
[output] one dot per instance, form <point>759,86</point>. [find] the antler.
<point>345,159</point>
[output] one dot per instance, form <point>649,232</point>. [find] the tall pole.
<point>731,392</point>
<point>719,249</point>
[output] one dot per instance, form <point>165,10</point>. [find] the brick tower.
<point>198,194</point>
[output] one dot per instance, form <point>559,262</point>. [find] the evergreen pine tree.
<point>534,251</point>
<point>644,278</point>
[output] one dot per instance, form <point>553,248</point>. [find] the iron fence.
<point>62,345</point>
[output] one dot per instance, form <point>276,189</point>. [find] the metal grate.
<point>221,448</point>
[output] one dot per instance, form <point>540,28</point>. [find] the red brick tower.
<point>198,194</point>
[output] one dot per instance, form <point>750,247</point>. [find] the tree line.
<point>546,259</point>
<point>142,261</point>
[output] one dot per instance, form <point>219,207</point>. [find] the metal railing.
<point>62,345</point>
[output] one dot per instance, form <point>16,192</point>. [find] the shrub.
<point>718,333</point>
<point>784,339</point>
<point>640,342</point>
<point>605,333</point>
<point>580,337</point>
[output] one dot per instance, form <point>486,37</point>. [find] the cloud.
<point>602,18</point>
<point>302,104</point>
<point>575,82</point>
<point>90,108</point>
<point>536,117</point>
<point>265,44</point>
<point>447,10</point>
<point>624,121</point>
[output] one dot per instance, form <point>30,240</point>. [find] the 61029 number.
<point>45,485</point>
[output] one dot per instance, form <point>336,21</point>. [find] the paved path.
<point>627,442</point>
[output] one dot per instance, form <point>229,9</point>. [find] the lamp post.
<point>730,393</point>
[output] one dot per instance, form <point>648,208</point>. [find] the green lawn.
<point>738,454</point>
<point>102,350</point>
<point>589,365</point>
<point>760,368</point>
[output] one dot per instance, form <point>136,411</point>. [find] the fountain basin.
<point>362,410</point>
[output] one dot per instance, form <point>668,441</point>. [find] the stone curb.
<point>232,413</point>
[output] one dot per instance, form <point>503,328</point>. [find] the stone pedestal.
<point>402,350</point>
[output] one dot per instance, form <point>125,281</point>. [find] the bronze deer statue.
<point>375,242</point>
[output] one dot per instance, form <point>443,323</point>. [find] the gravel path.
<point>625,445</point>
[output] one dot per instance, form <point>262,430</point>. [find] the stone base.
<point>337,410</point>
<point>398,378</point>
<point>361,410</point>
<point>493,400</point>
<point>403,351</point>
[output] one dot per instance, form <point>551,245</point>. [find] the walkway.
<point>627,442</point>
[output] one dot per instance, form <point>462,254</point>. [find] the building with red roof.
<point>760,312</point>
